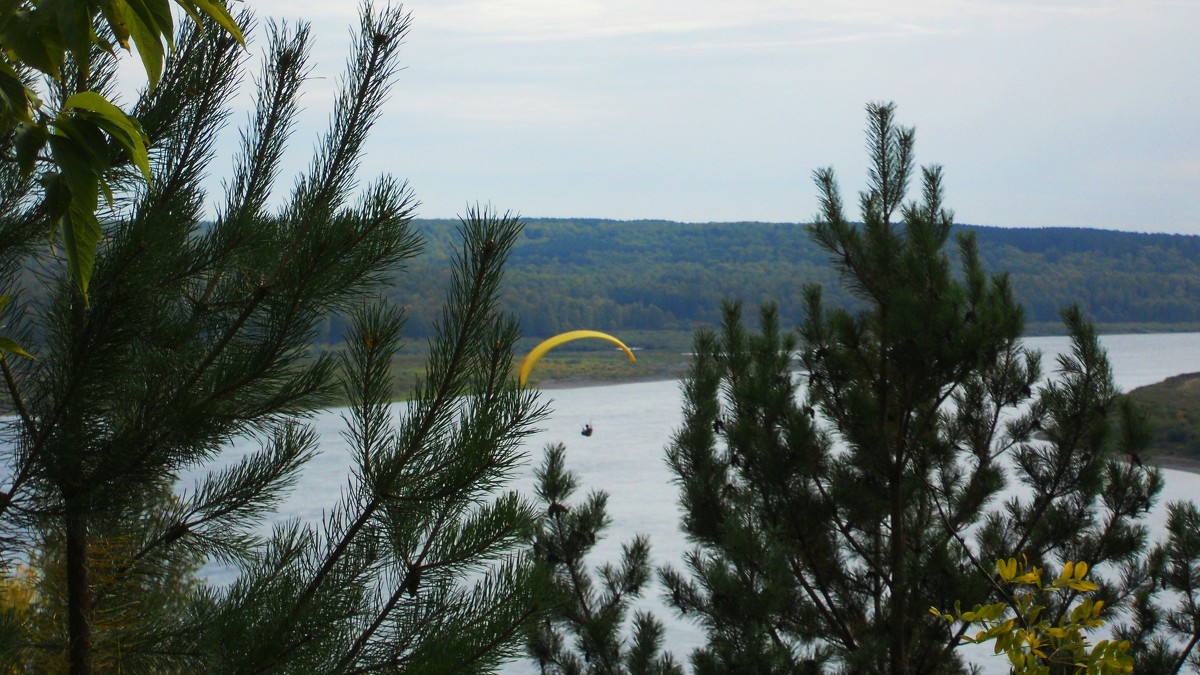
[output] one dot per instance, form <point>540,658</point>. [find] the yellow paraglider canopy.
<point>540,350</point>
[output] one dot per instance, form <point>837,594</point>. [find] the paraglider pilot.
<point>587,430</point>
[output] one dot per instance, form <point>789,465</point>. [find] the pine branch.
<point>239,494</point>
<point>18,402</point>
<point>445,394</point>
<point>488,241</point>
<point>278,89</point>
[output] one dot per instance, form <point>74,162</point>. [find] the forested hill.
<point>611,275</point>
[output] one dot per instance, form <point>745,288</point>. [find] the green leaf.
<point>79,148</point>
<point>7,344</point>
<point>15,97</point>
<point>156,16</point>
<point>128,22</point>
<point>107,192</point>
<point>163,20</point>
<point>81,234</point>
<point>114,13</point>
<point>10,346</point>
<point>193,13</point>
<point>29,141</point>
<point>74,201</point>
<point>74,23</point>
<point>30,43</point>
<point>147,34</point>
<point>217,12</point>
<point>55,199</point>
<point>8,8</point>
<point>122,128</point>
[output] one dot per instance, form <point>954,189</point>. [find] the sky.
<point>1079,113</point>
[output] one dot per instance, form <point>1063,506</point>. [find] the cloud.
<point>808,37</point>
<point>707,23</point>
<point>345,13</point>
<point>568,20</point>
<point>707,110</point>
<point>574,20</point>
<point>505,104</point>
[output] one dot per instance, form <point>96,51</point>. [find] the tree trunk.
<point>79,596</point>
<point>899,600</point>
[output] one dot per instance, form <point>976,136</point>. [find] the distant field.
<point>661,355</point>
<point>665,354</point>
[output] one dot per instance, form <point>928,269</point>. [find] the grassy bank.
<point>1173,407</point>
<point>661,354</point>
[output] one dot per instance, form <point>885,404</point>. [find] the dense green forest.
<point>659,275</point>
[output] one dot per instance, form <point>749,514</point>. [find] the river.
<point>633,424</point>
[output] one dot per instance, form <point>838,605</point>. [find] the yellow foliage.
<point>35,598</point>
<point>1032,643</point>
<point>17,590</point>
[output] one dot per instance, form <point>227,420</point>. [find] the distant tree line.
<point>656,275</point>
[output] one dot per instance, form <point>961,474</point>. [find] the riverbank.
<point>1175,463</point>
<point>572,367</point>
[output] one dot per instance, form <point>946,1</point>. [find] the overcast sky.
<point>1042,112</point>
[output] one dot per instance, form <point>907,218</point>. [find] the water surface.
<point>633,424</point>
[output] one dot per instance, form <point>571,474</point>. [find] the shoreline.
<point>581,382</point>
<point>1174,463</point>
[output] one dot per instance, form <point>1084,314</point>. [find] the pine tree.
<point>920,445</point>
<point>583,630</point>
<point>194,335</point>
